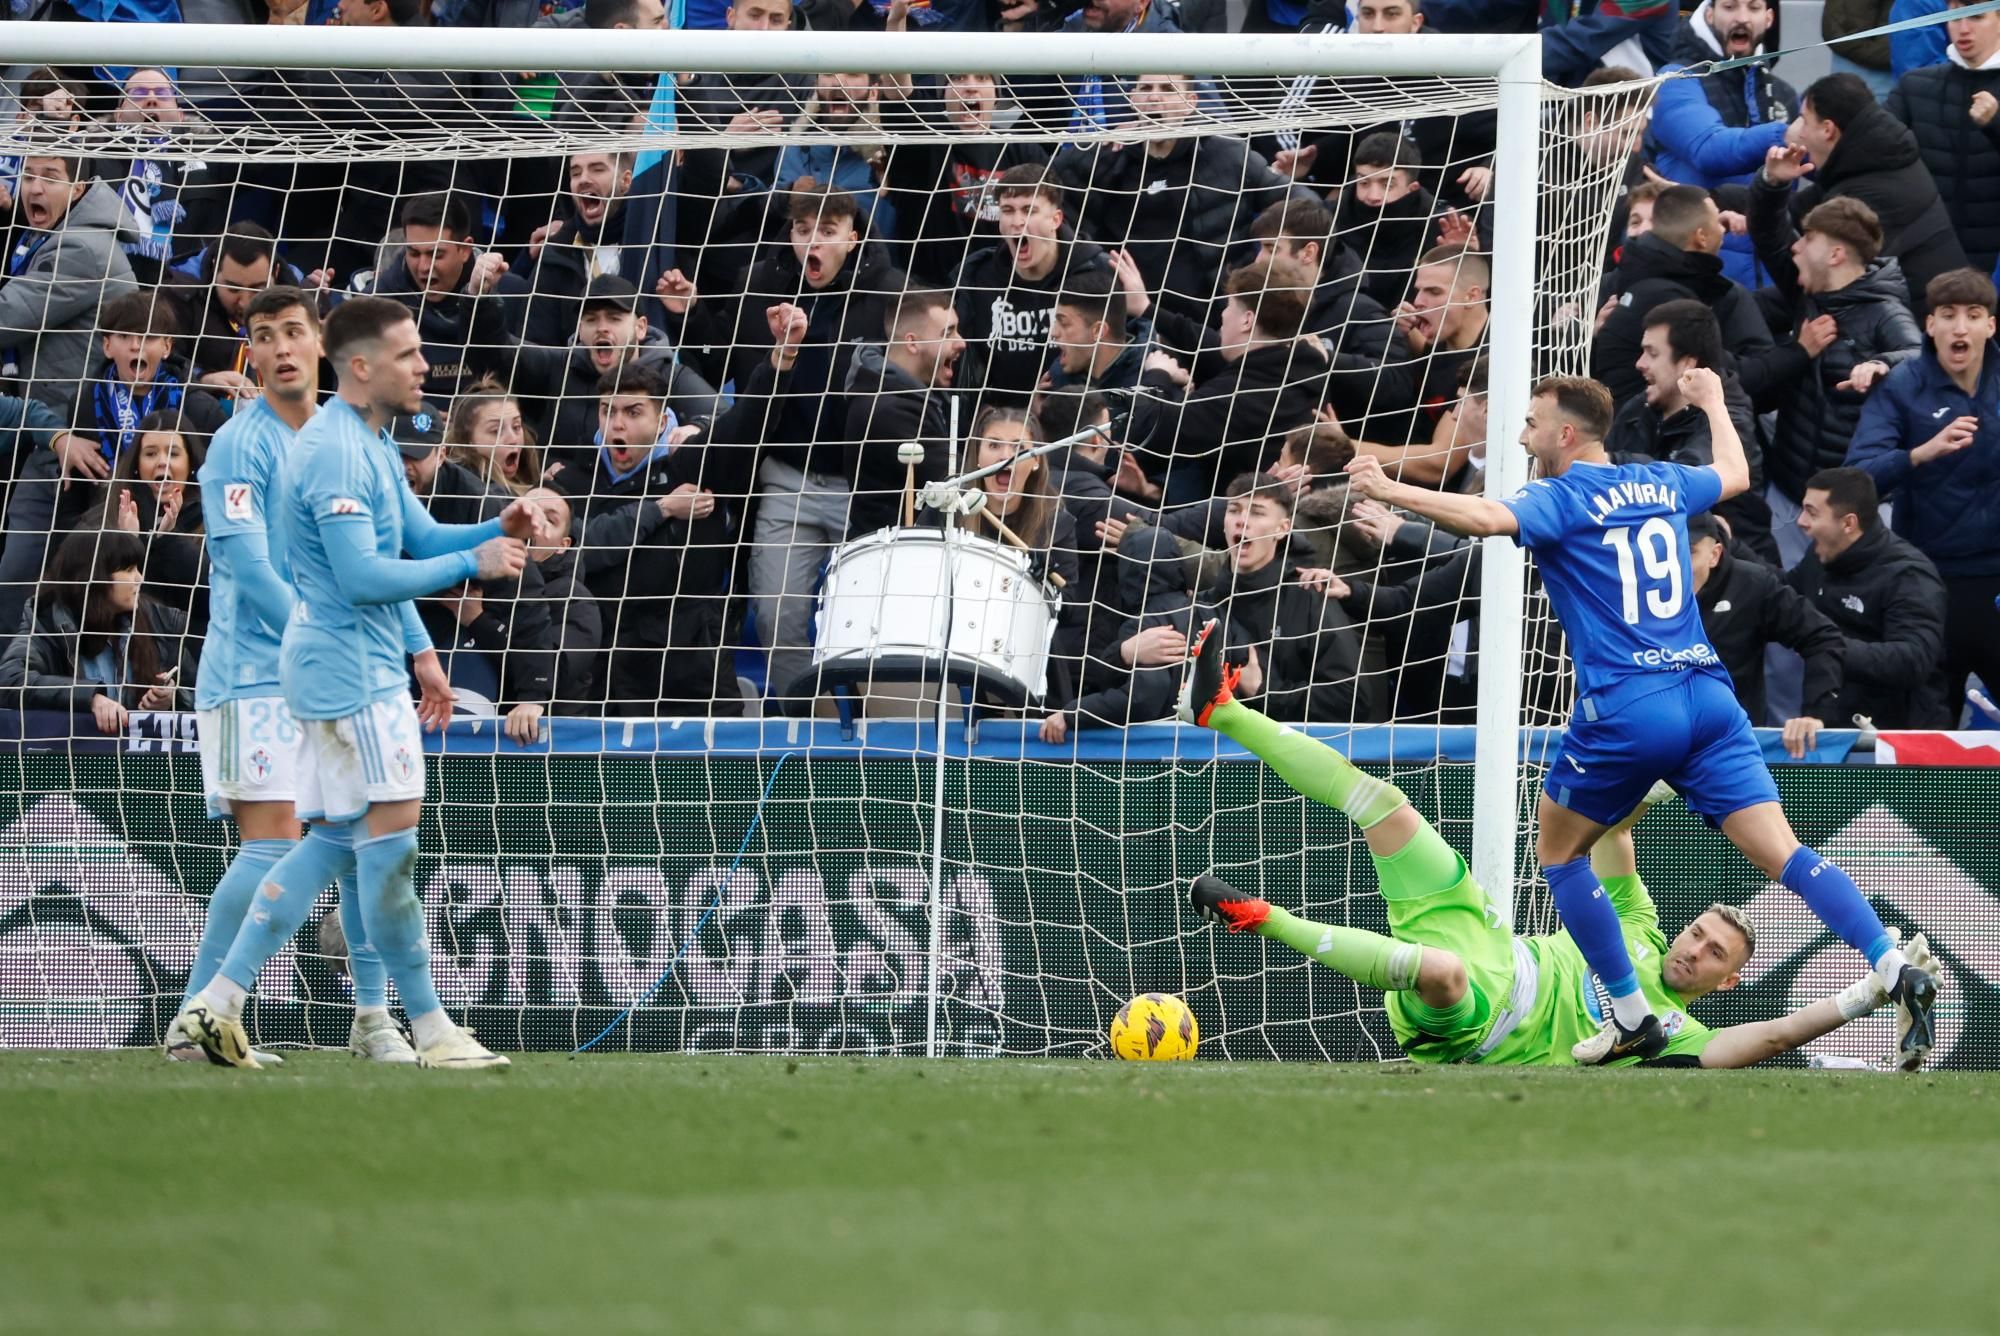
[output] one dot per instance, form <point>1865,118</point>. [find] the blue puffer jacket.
<point>1713,130</point>
<point>1950,507</point>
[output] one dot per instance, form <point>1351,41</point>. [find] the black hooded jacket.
<point>1888,601</point>
<point>1877,161</point>
<point>1155,584</point>
<point>1176,215</point>
<point>1653,270</point>
<point>1639,434</point>
<point>1816,418</point>
<point>1962,156</point>
<point>1084,486</point>
<point>558,391</point>
<point>942,185</point>
<point>1371,372</point>
<point>1309,651</point>
<point>660,580</point>
<point>561,275</point>
<point>806,426</point>
<point>1234,420</point>
<point>887,406</point>
<point>1389,240</point>
<point>1746,605</point>
<point>579,625</point>
<point>1004,318</point>
<point>450,327</point>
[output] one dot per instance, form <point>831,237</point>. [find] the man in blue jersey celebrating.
<point>344,515</point>
<point>249,741</point>
<point>1653,700</point>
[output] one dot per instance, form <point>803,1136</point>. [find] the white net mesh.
<point>599,263</point>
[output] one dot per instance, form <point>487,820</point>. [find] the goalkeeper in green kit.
<point>1459,985</point>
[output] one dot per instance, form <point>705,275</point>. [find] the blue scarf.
<point>153,211</point>
<point>660,112</point>
<point>24,251</point>
<point>119,413</point>
<point>1093,111</point>
<point>660,451</point>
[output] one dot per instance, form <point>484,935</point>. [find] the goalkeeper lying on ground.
<point>1460,987</point>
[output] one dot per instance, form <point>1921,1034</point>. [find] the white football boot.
<point>456,1048</point>
<point>380,1039</point>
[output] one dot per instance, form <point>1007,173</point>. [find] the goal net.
<point>800,742</point>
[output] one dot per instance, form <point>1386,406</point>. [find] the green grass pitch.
<point>753,1195</point>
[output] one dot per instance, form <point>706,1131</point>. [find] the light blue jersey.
<point>247,604</point>
<point>345,516</point>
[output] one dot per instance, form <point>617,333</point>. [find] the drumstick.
<point>1015,539</point>
<point>911,453</point>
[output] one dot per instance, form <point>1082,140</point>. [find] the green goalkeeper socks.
<point>1366,957</point>
<point>1308,765</point>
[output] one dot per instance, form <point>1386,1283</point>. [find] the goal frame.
<point>1513,60</point>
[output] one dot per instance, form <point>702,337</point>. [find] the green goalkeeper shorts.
<point>1433,901</point>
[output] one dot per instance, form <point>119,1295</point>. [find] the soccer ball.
<point>1154,1027</point>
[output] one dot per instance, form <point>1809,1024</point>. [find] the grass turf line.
<point>750,1195</point>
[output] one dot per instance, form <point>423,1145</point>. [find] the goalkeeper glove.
<point>1871,991</point>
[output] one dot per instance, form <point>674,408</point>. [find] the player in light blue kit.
<point>1653,700</point>
<point>249,742</point>
<point>343,517</point>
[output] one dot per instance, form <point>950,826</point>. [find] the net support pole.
<point>1503,568</point>
<point>933,964</point>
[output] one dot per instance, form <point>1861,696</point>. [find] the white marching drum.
<point>907,603</point>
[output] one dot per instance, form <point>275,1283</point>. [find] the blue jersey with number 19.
<point>1611,543</point>
<point>239,657</point>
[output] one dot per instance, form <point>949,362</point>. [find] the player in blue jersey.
<point>1653,700</point>
<point>344,515</point>
<point>249,742</point>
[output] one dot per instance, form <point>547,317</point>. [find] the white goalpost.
<point>896,881</point>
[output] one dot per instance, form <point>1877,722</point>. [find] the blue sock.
<point>386,867</point>
<point>274,918</point>
<point>1832,895</point>
<point>364,962</point>
<point>228,904</point>
<point>1592,921</point>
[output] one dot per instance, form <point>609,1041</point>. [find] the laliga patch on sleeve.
<point>346,505</point>
<point>237,503</point>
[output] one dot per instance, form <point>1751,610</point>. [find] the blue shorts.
<point>1691,733</point>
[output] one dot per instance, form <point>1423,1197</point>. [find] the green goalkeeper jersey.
<point>1567,1003</point>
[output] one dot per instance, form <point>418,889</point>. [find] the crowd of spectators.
<point>704,365</point>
